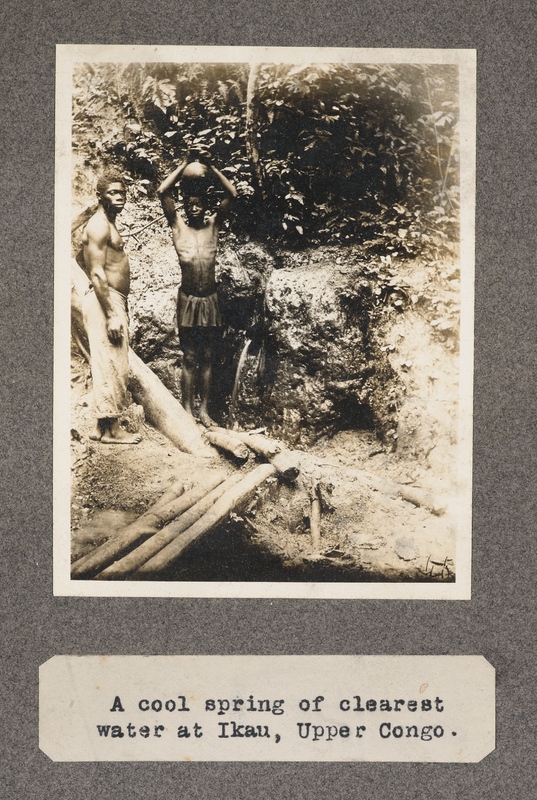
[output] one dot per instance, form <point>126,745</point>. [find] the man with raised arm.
<point>195,239</point>
<point>105,311</point>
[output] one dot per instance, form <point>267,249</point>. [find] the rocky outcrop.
<point>324,369</point>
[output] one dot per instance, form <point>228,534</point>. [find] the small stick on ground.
<point>315,516</point>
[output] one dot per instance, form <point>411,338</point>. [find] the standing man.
<point>195,240</point>
<point>105,262</point>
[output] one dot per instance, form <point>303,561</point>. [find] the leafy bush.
<point>319,152</point>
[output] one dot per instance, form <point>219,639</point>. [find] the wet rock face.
<point>319,354</point>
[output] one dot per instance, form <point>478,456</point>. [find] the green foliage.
<point>347,153</point>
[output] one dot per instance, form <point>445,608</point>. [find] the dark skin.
<point>195,240</point>
<point>107,267</point>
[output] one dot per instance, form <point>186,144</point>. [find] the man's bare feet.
<point>96,433</point>
<point>122,438</point>
<point>206,420</point>
<point>115,434</point>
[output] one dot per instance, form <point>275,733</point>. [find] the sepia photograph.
<point>264,275</point>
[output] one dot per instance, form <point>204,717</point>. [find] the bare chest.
<point>195,245</point>
<point>115,241</point>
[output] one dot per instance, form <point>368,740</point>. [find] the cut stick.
<point>137,558</point>
<point>315,517</point>
<point>146,525</point>
<point>221,438</point>
<point>259,444</point>
<point>232,500</point>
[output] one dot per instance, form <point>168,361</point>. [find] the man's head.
<point>111,192</point>
<point>195,208</point>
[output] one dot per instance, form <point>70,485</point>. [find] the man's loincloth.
<point>197,312</point>
<point>109,362</point>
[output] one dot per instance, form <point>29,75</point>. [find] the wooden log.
<point>412,494</point>
<point>221,438</point>
<point>286,463</point>
<point>261,445</point>
<point>163,411</point>
<point>174,490</point>
<point>137,558</point>
<point>232,500</point>
<point>146,525</point>
<point>161,408</point>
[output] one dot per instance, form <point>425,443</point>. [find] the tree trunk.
<point>161,408</point>
<point>148,524</point>
<point>163,411</point>
<point>251,130</point>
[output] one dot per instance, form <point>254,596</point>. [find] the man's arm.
<point>95,251</point>
<point>225,206</point>
<point>165,193</point>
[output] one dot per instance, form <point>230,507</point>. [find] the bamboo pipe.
<point>146,525</point>
<point>137,558</point>
<point>232,500</point>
